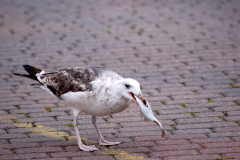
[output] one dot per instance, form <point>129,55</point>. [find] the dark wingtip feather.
<point>32,72</point>
<point>27,76</point>
<point>31,69</point>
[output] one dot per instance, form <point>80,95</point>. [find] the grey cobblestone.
<point>185,54</point>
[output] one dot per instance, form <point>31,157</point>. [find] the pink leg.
<point>102,141</point>
<point>80,144</point>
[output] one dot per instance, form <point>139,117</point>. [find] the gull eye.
<point>127,86</point>
<point>144,101</point>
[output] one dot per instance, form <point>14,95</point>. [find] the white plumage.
<point>93,90</point>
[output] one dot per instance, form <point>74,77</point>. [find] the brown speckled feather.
<point>70,79</point>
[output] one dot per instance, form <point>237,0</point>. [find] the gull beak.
<point>146,110</point>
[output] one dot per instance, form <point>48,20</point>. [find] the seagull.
<point>95,91</point>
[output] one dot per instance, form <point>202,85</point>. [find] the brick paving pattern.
<point>185,54</point>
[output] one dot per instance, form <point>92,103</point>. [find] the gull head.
<point>130,89</point>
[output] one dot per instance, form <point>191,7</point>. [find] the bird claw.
<point>87,148</point>
<point>107,143</point>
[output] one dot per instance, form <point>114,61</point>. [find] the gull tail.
<point>32,72</point>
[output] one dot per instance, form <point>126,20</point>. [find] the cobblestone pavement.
<point>184,53</point>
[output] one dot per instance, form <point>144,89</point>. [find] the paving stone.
<point>5,151</point>
<point>172,142</point>
<point>70,154</point>
<point>198,96</point>
<point>36,120</point>
<point>206,125</point>
<point>232,118</point>
<point>146,138</point>
<point>19,130</point>
<point>47,114</point>
<point>25,156</point>
<point>137,150</point>
<point>211,140</point>
<point>27,111</point>
<point>176,147</point>
<point>135,134</point>
<point>36,139</point>
<point>185,56</point>
<point>39,149</point>
<point>176,116</point>
<point>183,110</point>
<point>37,106</point>
<point>93,158</point>
<point>193,136</point>
<point>211,105</point>
<point>58,143</point>
<point>226,108</point>
<point>209,114</point>
<point>232,155</point>
<point>225,134</point>
<point>233,113</point>
<point>220,150</point>
<point>132,156</point>
<point>173,153</point>
<point>53,158</point>
<point>192,131</point>
<point>10,136</point>
<point>227,129</point>
<point>20,145</point>
<point>4,141</point>
<point>198,120</point>
<point>135,144</point>
<point>139,128</point>
<point>221,145</point>
<point>190,157</point>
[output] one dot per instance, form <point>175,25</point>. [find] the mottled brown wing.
<point>73,79</point>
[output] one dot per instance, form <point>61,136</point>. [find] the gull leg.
<point>80,143</point>
<point>102,141</point>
